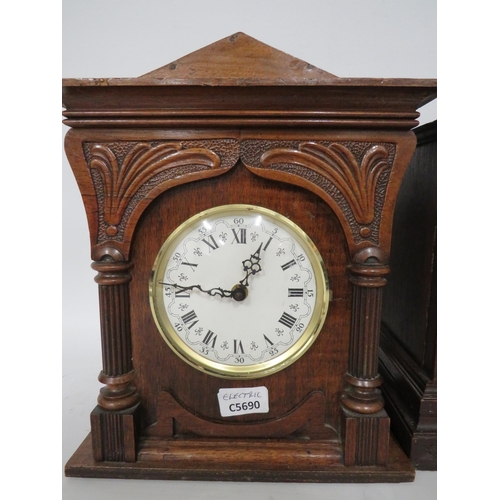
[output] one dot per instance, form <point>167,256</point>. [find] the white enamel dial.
<point>239,291</point>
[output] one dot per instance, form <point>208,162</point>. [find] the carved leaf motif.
<point>141,164</point>
<point>356,182</point>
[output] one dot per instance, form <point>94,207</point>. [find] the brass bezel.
<point>228,371</point>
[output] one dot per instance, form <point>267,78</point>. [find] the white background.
<point>351,38</point>
<point>129,38</point>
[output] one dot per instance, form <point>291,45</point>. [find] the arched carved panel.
<point>128,175</point>
<point>352,177</point>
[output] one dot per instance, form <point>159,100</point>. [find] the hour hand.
<point>251,266</point>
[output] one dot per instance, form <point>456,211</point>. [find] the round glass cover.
<point>239,291</point>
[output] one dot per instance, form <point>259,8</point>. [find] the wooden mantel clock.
<point>240,206</point>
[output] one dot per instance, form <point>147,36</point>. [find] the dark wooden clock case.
<point>408,358</point>
<point>241,122</point>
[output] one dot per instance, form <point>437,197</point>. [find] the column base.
<point>115,434</point>
<point>366,438</point>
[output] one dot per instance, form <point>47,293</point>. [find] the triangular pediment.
<point>239,60</point>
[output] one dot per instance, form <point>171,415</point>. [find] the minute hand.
<point>213,292</point>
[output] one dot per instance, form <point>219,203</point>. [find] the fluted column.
<point>115,418</point>
<point>366,423</point>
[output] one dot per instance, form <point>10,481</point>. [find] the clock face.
<point>239,291</point>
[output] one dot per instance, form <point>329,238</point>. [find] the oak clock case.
<point>239,291</point>
<point>240,206</point>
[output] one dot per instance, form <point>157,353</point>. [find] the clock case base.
<point>222,460</point>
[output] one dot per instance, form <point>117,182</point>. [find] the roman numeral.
<point>295,292</point>
<point>212,244</point>
<point>238,347</point>
<point>267,244</point>
<point>210,337</point>
<point>268,342</point>
<point>288,265</point>
<point>182,294</point>
<point>190,319</point>
<point>287,320</point>
<point>190,264</point>
<point>240,235</point>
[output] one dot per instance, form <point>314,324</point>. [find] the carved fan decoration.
<point>127,175</point>
<point>357,183</point>
<point>141,164</point>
